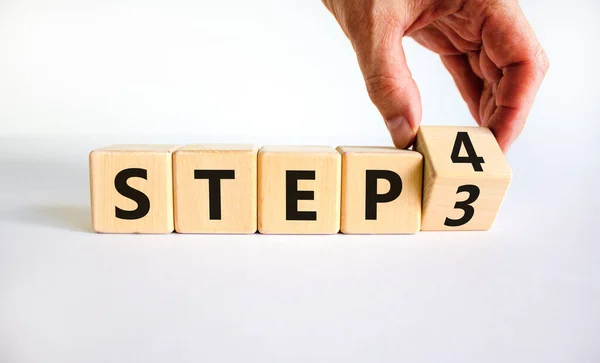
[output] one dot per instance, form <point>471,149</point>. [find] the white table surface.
<point>528,290</point>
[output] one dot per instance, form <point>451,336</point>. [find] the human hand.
<point>487,46</point>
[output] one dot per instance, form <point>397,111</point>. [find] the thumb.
<point>390,84</point>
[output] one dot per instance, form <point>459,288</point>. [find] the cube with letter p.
<point>381,190</point>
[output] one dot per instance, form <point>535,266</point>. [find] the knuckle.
<point>380,87</point>
<point>540,60</point>
<point>358,22</point>
<point>544,61</point>
<point>372,25</point>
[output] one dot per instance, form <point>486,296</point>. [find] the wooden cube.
<point>132,189</point>
<point>381,190</point>
<point>215,188</point>
<point>299,190</point>
<point>465,180</point>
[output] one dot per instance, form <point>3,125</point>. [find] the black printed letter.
<point>214,188</point>
<point>125,190</point>
<point>371,196</point>
<point>293,195</point>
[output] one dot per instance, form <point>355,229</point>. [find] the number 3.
<point>474,192</point>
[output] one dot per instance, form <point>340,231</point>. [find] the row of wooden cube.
<point>455,180</point>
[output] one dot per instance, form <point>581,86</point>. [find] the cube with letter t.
<point>381,190</point>
<point>466,177</point>
<point>299,190</point>
<point>131,189</point>
<point>215,188</point>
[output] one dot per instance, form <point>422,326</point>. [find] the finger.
<point>512,46</point>
<point>457,40</point>
<point>433,39</point>
<point>474,63</point>
<point>389,82</point>
<point>469,85</point>
<point>490,71</point>
<point>488,102</point>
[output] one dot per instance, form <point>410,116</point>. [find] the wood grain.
<point>443,177</point>
<point>107,162</point>
<point>401,215</point>
<point>273,164</point>
<point>238,202</point>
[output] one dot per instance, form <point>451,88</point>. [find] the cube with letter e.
<point>299,190</point>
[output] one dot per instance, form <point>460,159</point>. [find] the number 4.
<point>462,138</point>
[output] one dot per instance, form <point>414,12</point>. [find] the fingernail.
<point>401,131</point>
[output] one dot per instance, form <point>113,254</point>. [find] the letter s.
<point>125,190</point>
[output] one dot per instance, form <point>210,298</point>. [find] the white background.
<point>77,75</point>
